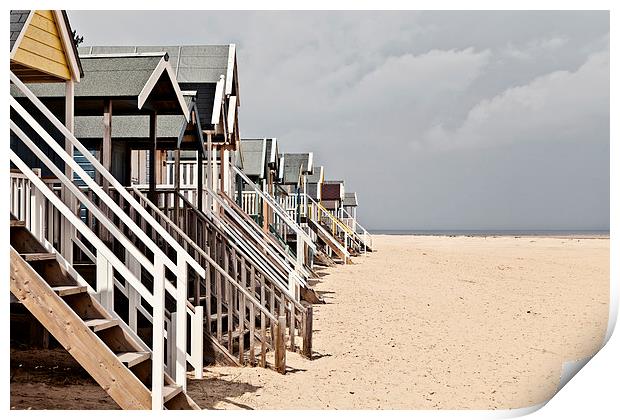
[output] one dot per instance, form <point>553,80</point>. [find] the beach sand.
<point>427,322</point>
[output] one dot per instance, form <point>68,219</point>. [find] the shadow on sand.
<point>210,391</point>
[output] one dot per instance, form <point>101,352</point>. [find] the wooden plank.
<point>279,346</point>
<point>38,256</point>
<point>263,324</point>
<point>44,50</point>
<point>152,154</point>
<point>291,329</point>
<point>171,391</point>
<point>100,324</point>
<point>218,297</point>
<point>69,290</point>
<point>71,332</point>
<point>241,328</point>
<point>44,64</point>
<point>17,223</point>
<point>252,356</point>
<point>132,358</point>
<point>45,13</point>
<point>45,23</point>
<point>44,37</point>
<point>307,333</point>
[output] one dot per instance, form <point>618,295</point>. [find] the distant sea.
<point>553,233</point>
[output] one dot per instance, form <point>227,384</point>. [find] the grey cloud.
<point>508,111</point>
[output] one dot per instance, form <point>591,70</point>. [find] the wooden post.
<point>132,294</point>
<point>152,155</point>
<point>67,198</point>
<point>227,182</point>
<point>223,167</point>
<point>199,181</point>
<point>105,282</point>
<point>307,333</point>
<point>106,159</point>
<point>210,170</point>
<point>37,209</point>
<point>181,322</point>
<point>280,343</point>
<point>177,183</point>
<point>157,357</point>
<point>197,344</point>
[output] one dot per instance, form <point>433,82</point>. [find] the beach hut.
<point>349,208</point>
<point>292,187</point>
<point>43,281</point>
<point>210,71</point>
<point>332,196</point>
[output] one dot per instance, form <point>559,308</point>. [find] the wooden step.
<point>213,317</point>
<point>235,334</point>
<point>38,256</point>
<point>100,324</point>
<point>69,290</point>
<point>171,391</point>
<point>132,358</point>
<point>17,223</point>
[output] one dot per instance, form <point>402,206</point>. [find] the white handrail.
<point>76,221</point>
<point>202,252</point>
<point>104,173</point>
<point>103,259</point>
<point>362,228</point>
<point>276,207</point>
<point>252,233</point>
<point>283,260</point>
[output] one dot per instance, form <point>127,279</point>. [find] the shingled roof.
<point>293,164</point>
<point>350,199</point>
<point>18,20</point>
<point>129,79</point>
<point>197,67</point>
<point>253,156</point>
<point>316,176</point>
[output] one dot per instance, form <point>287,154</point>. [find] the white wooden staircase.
<point>119,263</point>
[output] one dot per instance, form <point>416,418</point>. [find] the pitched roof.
<point>191,63</point>
<point>350,199</point>
<point>253,156</point>
<point>196,67</point>
<point>294,163</point>
<point>316,176</point>
<point>19,18</point>
<point>129,79</point>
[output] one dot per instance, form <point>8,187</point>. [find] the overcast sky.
<point>439,120</point>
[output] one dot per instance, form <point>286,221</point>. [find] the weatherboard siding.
<point>41,46</point>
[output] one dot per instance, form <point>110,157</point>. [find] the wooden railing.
<point>282,221</point>
<point>205,238</point>
<point>360,231</point>
<point>232,312</point>
<point>116,226</point>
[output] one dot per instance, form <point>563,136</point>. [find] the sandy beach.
<point>424,323</point>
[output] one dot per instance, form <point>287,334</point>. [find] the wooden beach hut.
<point>332,196</point>
<point>210,71</point>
